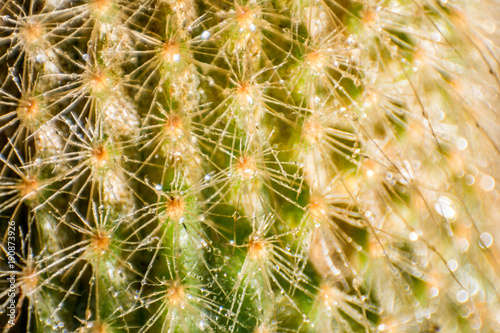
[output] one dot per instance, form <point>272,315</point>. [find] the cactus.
<point>249,166</point>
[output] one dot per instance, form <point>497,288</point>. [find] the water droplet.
<point>434,291</point>
<point>86,57</point>
<point>413,236</point>
<point>205,35</point>
<point>250,101</point>
<point>461,143</point>
<point>475,323</point>
<point>462,244</point>
<point>470,180</point>
<point>486,239</point>
<point>487,183</point>
<point>462,296</point>
<point>41,58</point>
<point>159,187</point>
<point>445,207</point>
<point>452,265</point>
<point>177,57</point>
<point>207,177</point>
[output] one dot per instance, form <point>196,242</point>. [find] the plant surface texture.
<point>249,166</point>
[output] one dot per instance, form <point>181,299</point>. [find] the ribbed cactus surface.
<point>249,166</point>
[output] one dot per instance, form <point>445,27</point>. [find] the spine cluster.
<point>249,166</point>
